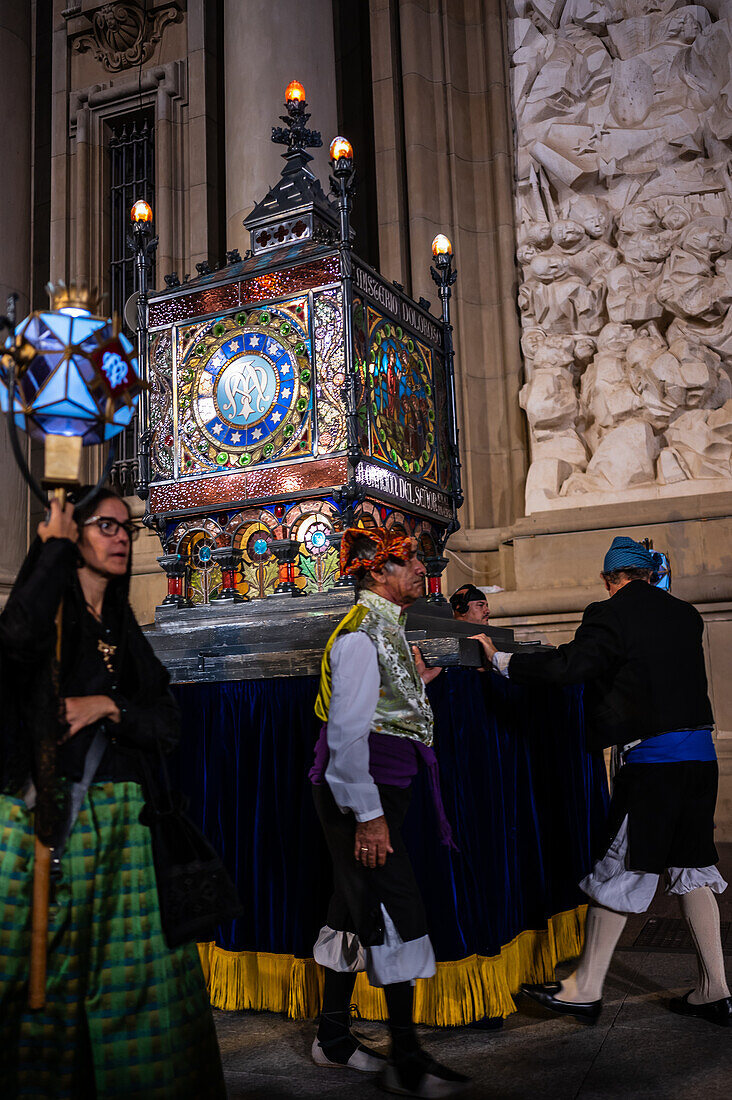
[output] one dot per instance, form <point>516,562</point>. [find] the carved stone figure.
<point>624,159</point>
<point>625,459</point>
<point>701,442</point>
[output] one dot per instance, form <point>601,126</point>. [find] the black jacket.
<point>641,659</point>
<point>30,684</point>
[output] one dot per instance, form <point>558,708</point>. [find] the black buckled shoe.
<point>716,1012</point>
<point>588,1011</point>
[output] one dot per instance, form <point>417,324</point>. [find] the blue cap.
<point>626,553</point>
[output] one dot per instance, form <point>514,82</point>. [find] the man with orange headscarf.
<point>378,727</point>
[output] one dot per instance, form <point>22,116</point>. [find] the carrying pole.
<point>42,871</point>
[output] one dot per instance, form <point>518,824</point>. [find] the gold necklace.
<point>107,651</point>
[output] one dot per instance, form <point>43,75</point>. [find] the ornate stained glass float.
<point>295,392</point>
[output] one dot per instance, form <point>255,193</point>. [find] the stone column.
<point>266,46</point>
<point>15,233</point>
<point>444,164</point>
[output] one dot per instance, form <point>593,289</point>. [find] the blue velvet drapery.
<point>527,804</point>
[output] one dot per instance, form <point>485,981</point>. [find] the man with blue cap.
<point>640,657</point>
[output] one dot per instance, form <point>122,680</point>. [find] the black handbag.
<point>194,889</point>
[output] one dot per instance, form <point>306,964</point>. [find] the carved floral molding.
<point>125,34</point>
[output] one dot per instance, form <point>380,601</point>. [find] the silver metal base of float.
<point>265,638</point>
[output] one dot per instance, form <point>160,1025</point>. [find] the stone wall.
<point>15,232</point>
<point>444,164</point>
<point>623,140</point>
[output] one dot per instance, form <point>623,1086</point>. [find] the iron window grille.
<point>132,176</point>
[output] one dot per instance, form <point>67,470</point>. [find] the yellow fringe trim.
<point>459,993</point>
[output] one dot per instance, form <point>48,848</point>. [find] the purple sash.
<point>393,761</point>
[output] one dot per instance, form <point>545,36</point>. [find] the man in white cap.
<point>640,657</point>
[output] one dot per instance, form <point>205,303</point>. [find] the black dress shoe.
<point>716,1012</point>
<point>587,1011</point>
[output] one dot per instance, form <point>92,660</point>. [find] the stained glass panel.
<point>245,389</point>
<point>330,366</point>
<point>161,405</point>
<point>401,398</point>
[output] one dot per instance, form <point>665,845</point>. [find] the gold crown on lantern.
<point>73,296</point>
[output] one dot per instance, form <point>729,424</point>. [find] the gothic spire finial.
<point>295,134</point>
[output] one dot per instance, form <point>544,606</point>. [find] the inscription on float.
<point>403,490</point>
<point>381,293</point>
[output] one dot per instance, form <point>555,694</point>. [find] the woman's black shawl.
<point>29,676</point>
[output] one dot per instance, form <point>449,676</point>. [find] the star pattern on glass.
<point>276,417</point>
<point>272,348</point>
<point>285,368</point>
<point>236,437</point>
<point>286,394</point>
<point>257,433</point>
<point>234,346</point>
<point>218,429</point>
<point>255,341</point>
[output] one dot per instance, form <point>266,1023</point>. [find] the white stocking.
<point>702,915</point>
<point>602,933</point>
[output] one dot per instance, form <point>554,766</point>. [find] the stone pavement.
<point>638,1048</point>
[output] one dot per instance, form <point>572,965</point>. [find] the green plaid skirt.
<point>124,1016</point>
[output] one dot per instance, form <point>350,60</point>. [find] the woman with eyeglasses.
<point>124,1014</point>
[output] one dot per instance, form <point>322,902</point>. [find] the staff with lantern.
<point>93,1001</point>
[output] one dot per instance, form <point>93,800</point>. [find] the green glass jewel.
<point>241,318</point>
<point>303,444</point>
<point>267,449</point>
<point>430,438</point>
<point>398,332</point>
<point>304,375</point>
<point>222,458</point>
<point>200,348</point>
<point>410,345</point>
<point>285,328</point>
<point>289,429</point>
<point>300,348</point>
<point>302,404</point>
<point>245,459</point>
<point>219,328</point>
<point>264,318</point>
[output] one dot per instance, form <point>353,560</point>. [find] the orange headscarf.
<point>391,544</point>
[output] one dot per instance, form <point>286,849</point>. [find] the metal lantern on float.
<point>72,372</point>
<point>294,92</point>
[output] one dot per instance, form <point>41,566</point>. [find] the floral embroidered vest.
<point>403,709</point>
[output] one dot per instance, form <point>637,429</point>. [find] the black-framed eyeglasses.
<point>109,526</point>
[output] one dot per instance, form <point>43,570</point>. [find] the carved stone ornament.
<point>623,112</point>
<point>123,35</point>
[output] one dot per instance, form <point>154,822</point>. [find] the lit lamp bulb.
<point>341,148</point>
<point>294,92</point>
<point>141,211</point>
<point>441,246</point>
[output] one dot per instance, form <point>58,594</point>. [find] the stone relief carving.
<point>623,115</point>
<point>125,34</point>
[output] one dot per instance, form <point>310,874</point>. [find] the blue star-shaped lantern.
<point>76,373</point>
